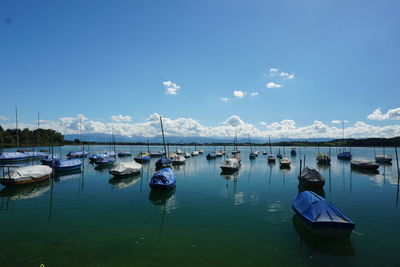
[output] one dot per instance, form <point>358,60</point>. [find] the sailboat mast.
<point>270,149</point>
<point>162,130</point>
<point>38,127</point>
<point>16,125</point>
<point>251,149</point>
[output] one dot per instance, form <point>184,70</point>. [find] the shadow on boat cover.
<point>322,245</point>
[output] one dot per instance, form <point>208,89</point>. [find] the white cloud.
<point>254,94</point>
<point>339,121</point>
<point>224,99</point>
<point>273,85</point>
<point>239,94</point>
<point>188,127</point>
<point>234,121</point>
<point>391,114</point>
<point>3,118</point>
<point>171,88</point>
<point>121,118</point>
<point>287,75</point>
<point>273,71</point>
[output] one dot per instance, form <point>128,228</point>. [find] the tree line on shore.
<point>28,138</point>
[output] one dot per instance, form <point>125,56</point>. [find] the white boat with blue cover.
<point>67,165</point>
<point>105,161</point>
<point>13,157</point>
<point>77,154</point>
<point>35,154</point>
<point>49,159</point>
<point>321,216</point>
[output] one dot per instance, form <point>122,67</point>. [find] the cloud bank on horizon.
<point>188,127</point>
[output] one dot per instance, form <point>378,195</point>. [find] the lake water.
<point>87,218</point>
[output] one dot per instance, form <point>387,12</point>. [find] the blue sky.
<point>103,58</point>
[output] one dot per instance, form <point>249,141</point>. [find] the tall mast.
<point>162,130</point>
<point>270,149</point>
<point>16,125</point>
<point>38,127</point>
<point>80,131</point>
<point>251,149</point>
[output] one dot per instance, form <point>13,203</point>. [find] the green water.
<point>84,219</point>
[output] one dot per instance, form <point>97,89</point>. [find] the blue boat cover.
<point>163,162</point>
<point>77,153</point>
<point>344,155</point>
<point>13,156</point>
<point>163,178</point>
<point>49,159</point>
<point>98,155</point>
<point>318,212</point>
<point>35,154</point>
<point>67,163</point>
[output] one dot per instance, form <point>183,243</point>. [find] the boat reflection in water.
<point>322,245</point>
<point>163,197</point>
<point>26,191</point>
<point>367,172</point>
<point>230,176</point>
<point>125,181</point>
<point>65,176</point>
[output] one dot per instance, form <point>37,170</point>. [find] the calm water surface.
<point>88,219</point>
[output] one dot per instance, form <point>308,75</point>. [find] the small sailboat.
<point>186,155</point>
<point>311,178</point>
<point>126,169</point>
<point>195,153</point>
<point>124,153</point>
<point>156,154</point>
<point>271,158</point>
<point>284,163</point>
<point>293,152</point>
<point>345,155</point>
<point>163,179</point>
<point>323,158</point>
<point>49,159</point>
<point>364,164</point>
<point>383,158</point>
<point>211,155</point>
<point>279,155</point>
<point>201,151</point>
<point>321,216</point>
<point>25,175</point>
<point>142,157</point>
<point>67,165</point>
<point>178,160</point>
<point>94,157</point>
<point>230,165</point>
<point>163,162</point>
<point>77,154</point>
<point>252,154</point>
<point>8,157</point>
<point>105,161</point>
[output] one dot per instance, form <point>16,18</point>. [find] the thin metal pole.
<point>16,124</point>
<point>162,130</point>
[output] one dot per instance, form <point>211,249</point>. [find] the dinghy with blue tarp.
<point>93,157</point>
<point>105,161</point>
<point>13,156</point>
<point>67,165</point>
<point>344,155</point>
<point>163,163</point>
<point>321,216</point>
<point>35,154</point>
<point>49,159</point>
<point>77,154</point>
<point>211,155</point>
<point>165,178</point>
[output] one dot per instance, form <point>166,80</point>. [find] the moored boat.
<point>383,158</point>
<point>49,159</point>
<point>230,165</point>
<point>157,154</point>
<point>163,179</point>
<point>13,157</point>
<point>67,165</point>
<point>345,155</point>
<point>311,178</point>
<point>124,153</point>
<point>284,163</point>
<point>293,152</point>
<point>77,154</point>
<point>126,168</point>
<point>178,159</point>
<point>25,175</point>
<point>105,161</point>
<point>364,164</point>
<point>142,157</point>
<point>323,158</point>
<point>321,216</point>
<point>211,155</point>
<point>163,162</point>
